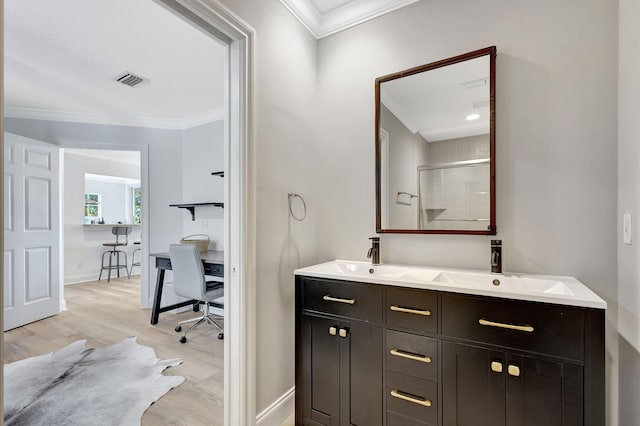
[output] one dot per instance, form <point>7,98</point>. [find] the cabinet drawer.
<point>395,419</point>
<point>412,397</point>
<point>349,299</point>
<point>546,329</point>
<point>413,355</point>
<point>411,308</point>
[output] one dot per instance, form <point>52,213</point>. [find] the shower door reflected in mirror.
<point>435,147</point>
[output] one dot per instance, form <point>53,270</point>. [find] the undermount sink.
<point>505,283</point>
<point>548,289</point>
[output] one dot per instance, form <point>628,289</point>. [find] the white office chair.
<point>189,281</point>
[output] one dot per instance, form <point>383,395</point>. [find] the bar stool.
<point>117,231</point>
<point>133,257</point>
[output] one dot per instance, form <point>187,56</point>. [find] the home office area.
<point>126,161</point>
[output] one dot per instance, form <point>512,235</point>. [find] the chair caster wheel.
<point>220,336</point>
<point>178,329</point>
<point>183,339</point>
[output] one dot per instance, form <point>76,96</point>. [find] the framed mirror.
<point>435,147</point>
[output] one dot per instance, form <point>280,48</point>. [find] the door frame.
<point>212,17</point>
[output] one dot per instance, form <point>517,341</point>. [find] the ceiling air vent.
<point>130,79</point>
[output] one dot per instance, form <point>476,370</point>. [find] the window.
<point>137,201</point>
<point>92,208</point>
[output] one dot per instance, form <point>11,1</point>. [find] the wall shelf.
<point>191,207</point>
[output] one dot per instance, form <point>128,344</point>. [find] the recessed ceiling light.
<point>471,117</point>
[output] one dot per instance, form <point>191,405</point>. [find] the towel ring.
<point>293,195</point>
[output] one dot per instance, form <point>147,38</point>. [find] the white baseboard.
<point>77,279</point>
<point>279,411</point>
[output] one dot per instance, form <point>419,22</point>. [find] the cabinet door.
<point>541,392</point>
<point>362,390</point>
<point>321,370</point>
<point>342,372</point>
<point>484,387</point>
<point>473,386</point>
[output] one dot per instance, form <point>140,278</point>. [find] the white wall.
<point>629,201</point>
<point>202,154</point>
<point>287,143</point>
<point>83,245</point>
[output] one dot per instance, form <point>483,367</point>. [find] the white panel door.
<point>31,231</point>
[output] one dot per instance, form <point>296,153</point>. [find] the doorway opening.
<point>239,240</point>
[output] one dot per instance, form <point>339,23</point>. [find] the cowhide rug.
<point>77,385</point>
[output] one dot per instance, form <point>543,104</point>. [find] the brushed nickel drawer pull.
<point>411,398</point>
<point>333,331</point>
<point>336,299</point>
<point>397,308</point>
<point>409,355</point>
<point>343,332</point>
<point>526,328</point>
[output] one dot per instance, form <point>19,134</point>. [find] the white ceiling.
<point>61,58</point>
<point>325,17</point>
<point>436,103</point>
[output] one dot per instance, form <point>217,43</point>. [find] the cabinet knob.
<point>496,366</point>
<point>333,331</point>
<point>343,332</point>
<point>513,370</point>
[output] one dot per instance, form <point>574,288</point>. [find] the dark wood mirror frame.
<point>491,228</point>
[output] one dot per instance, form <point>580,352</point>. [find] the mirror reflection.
<point>434,151</point>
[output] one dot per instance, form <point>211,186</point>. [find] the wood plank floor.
<point>106,313</point>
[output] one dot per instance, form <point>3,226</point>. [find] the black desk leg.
<point>155,310</point>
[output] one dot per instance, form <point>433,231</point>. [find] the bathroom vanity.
<point>397,345</point>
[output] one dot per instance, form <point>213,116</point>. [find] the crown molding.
<point>346,16</point>
<point>93,118</point>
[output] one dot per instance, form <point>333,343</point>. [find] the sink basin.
<point>360,269</point>
<point>511,283</point>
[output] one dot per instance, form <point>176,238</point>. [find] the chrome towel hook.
<point>292,196</point>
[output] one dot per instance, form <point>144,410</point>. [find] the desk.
<point>213,262</point>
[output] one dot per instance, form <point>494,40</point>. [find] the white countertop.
<point>559,290</point>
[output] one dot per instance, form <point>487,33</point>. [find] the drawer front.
<point>546,329</point>
<point>395,419</point>
<point>349,299</point>
<point>214,270</point>
<point>413,355</point>
<point>411,308</point>
<point>412,397</point>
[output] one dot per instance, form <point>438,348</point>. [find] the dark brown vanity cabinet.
<point>370,354</point>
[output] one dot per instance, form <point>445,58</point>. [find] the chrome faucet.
<point>496,256</point>
<point>374,251</point>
